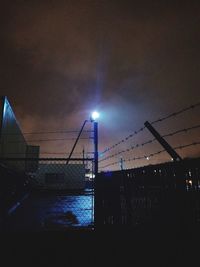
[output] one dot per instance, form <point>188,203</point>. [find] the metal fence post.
<point>97,206</point>
<point>95,148</point>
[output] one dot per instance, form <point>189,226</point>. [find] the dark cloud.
<point>135,60</point>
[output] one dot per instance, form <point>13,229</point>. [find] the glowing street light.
<point>93,118</point>
<point>95,115</point>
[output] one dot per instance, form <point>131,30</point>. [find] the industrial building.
<point>12,141</point>
<point>17,155</point>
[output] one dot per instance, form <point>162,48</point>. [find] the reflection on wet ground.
<point>52,211</point>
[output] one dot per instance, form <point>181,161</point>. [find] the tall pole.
<point>95,148</point>
<point>96,189</point>
<point>76,142</point>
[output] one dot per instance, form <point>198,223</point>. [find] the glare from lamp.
<point>95,115</point>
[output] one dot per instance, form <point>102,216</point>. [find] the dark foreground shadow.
<point>144,246</point>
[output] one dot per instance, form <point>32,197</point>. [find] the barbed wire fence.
<point>51,173</point>
<point>51,168</point>
<point>139,182</point>
<point>132,153</point>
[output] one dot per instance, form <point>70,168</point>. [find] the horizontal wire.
<point>153,122</point>
<point>176,113</point>
<point>123,140</point>
<point>182,130</point>
<point>45,159</point>
<point>151,141</point>
<point>49,132</point>
<point>151,155</point>
<point>60,153</point>
<point>21,153</point>
<point>50,140</point>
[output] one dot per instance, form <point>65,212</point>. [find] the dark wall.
<point>12,141</point>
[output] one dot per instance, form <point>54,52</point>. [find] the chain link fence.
<point>165,193</point>
<point>61,192</point>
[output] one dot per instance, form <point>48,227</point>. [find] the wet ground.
<point>42,211</point>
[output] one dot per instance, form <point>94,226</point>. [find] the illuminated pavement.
<point>51,211</point>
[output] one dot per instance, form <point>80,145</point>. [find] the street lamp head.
<point>94,116</point>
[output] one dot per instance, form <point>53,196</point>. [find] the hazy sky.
<point>132,60</point>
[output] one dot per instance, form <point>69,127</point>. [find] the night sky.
<point>131,60</point>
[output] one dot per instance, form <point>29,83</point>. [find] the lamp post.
<point>94,117</point>
<point>95,148</point>
<point>76,142</point>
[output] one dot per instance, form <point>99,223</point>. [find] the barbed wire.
<point>150,155</point>
<point>153,122</point>
<point>182,130</point>
<point>151,141</point>
<point>128,149</point>
<point>176,113</point>
<point>123,140</point>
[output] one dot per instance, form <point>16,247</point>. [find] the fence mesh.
<point>61,193</point>
<point>62,196</point>
<point>165,193</point>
